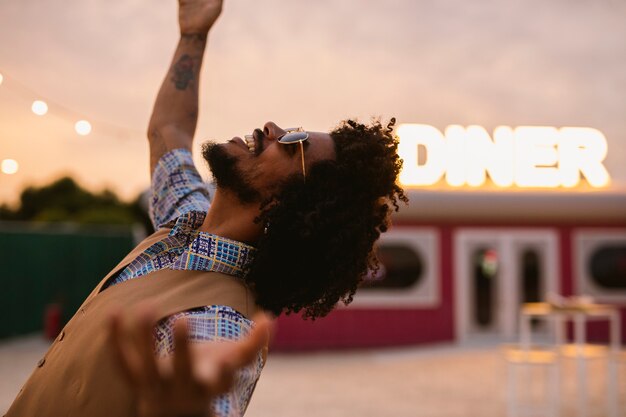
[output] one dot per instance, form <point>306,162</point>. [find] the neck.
<point>229,218</point>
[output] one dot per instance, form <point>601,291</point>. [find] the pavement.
<point>430,381</point>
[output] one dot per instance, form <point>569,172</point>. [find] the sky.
<point>300,63</point>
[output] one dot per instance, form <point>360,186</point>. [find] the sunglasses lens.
<point>293,137</point>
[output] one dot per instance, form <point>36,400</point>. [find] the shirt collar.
<point>210,252</point>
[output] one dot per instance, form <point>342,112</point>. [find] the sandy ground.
<point>430,381</point>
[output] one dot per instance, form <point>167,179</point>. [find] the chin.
<point>227,176</point>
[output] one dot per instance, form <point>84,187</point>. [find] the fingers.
<point>133,346</point>
<point>238,354</point>
<point>202,372</point>
<point>246,350</point>
<point>144,343</point>
<point>226,358</point>
<point>121,354</point>
<point>182,356</point>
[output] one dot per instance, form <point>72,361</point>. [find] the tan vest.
<point>78,376</point>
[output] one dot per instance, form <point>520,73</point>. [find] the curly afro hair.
<point>319,235</point>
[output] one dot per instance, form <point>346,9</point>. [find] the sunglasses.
<point>295,135</point>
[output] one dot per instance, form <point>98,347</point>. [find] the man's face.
<point>256,174</point>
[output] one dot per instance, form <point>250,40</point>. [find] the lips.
<point>253,143</point>
<point>239,141</point>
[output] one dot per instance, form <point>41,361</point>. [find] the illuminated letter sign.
<point>414,137</point>
<point>527,156</point>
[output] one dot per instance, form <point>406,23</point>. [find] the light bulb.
<point>9,166</point>
<point>83,127</point>
<point>39,107</point>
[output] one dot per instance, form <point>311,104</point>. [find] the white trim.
<point>584,242</point>
<point>509,243</point>
<point>426,292</point>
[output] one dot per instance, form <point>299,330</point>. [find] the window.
<point>607,267</point>
<point>600,261</point>
<point>531,276</point>
<point>401,266</point>
<point>484,281</point>
<point>409,273</point>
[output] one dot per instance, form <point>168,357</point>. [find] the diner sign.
<point>525,156</point>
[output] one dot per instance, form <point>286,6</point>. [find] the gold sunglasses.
<point>295,135</point>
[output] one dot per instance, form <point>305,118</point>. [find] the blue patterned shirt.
<point>180,200</point>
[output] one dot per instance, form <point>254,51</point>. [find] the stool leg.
<point>579,323</point>
<point>512,391</point>
<point>555,390</point>
<point>613,364</point>
<point>612,385</point>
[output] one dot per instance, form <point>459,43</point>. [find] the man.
<point>291,228</point>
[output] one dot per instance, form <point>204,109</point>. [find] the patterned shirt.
<point>180,200</point>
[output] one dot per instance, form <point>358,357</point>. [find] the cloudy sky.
<point>300,62</point>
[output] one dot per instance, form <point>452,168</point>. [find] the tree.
<point>65,201</point>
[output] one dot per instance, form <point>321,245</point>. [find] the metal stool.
<point>524,360</point>
<point>581,355</point>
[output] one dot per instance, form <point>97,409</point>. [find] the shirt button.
<point>41,362</point>
<point>62,335</point>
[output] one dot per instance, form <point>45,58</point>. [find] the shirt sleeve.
<point>215,324</point>
<point>176,188</point>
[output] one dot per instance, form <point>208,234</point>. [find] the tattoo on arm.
<point>182,72</point>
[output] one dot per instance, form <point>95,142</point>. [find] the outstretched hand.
<point>198,16</point>
<point>182,384</point>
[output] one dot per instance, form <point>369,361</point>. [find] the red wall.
<point>358,327</point>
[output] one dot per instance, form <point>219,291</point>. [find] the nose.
<point>272,131</point>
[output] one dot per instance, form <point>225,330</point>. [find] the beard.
<point>227,175</point>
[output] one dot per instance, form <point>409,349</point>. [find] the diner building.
<point>493,222</point>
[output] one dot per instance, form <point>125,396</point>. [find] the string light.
<point>9,166</point>
<point>45,105</point>
<point>83,127</point>
<point>39,107</point>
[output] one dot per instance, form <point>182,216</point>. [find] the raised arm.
<point>175,114</point>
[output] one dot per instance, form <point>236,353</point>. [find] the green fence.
<point>42,264</point>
